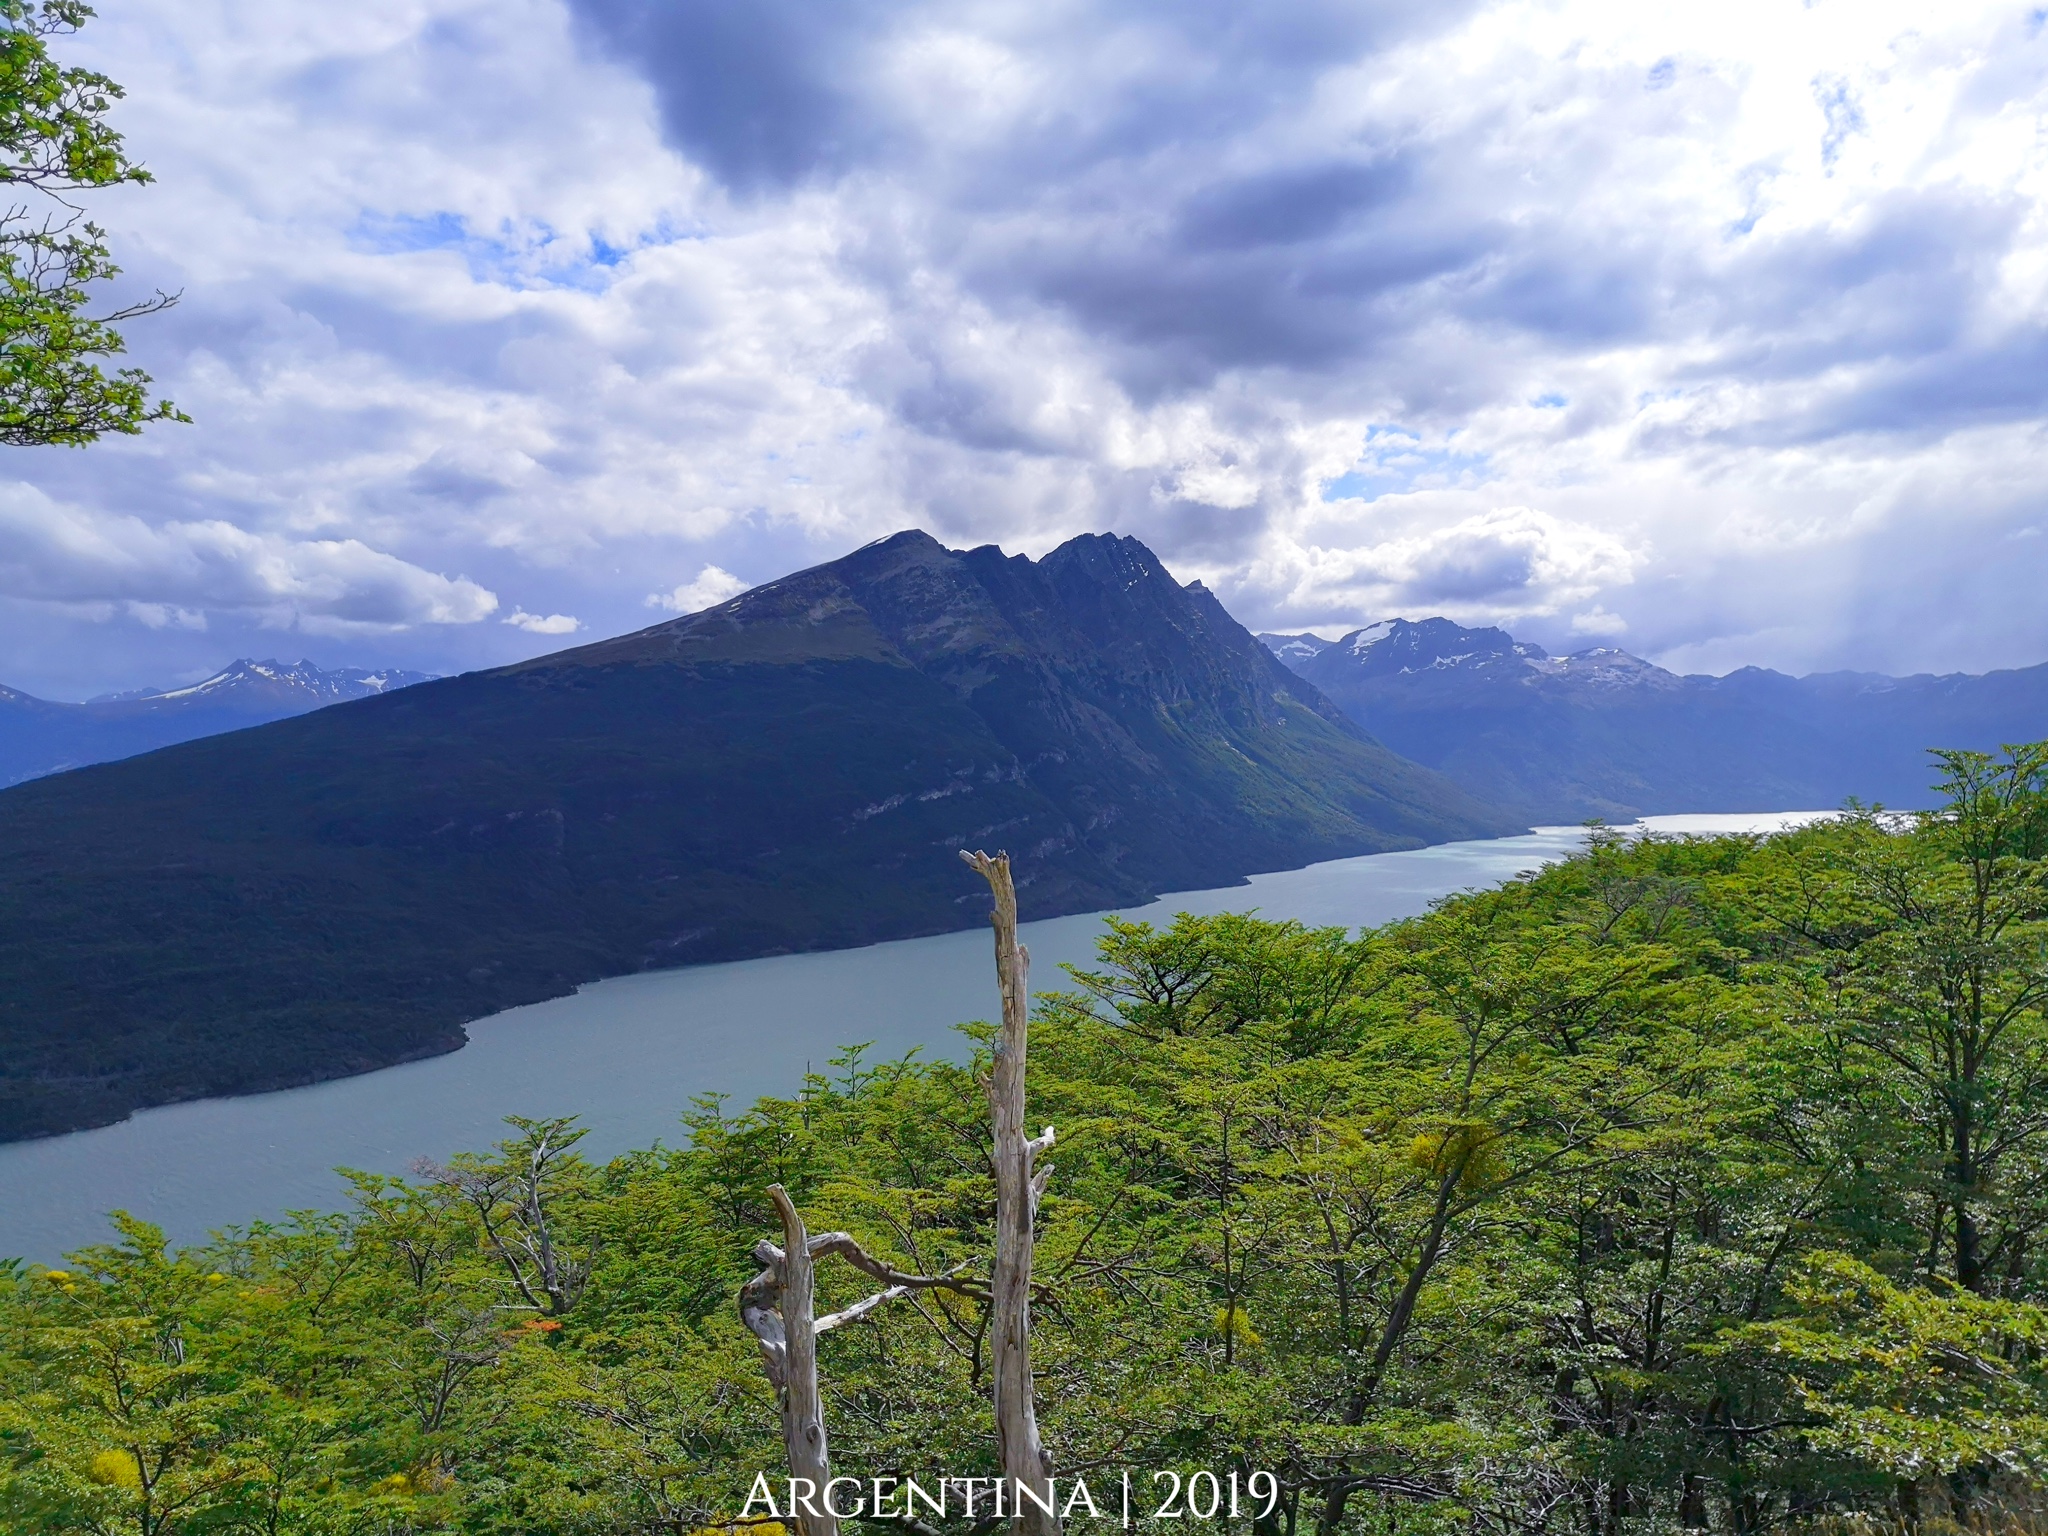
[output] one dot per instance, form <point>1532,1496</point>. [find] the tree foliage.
<point>1688,1184</point>
<point>55,142</point>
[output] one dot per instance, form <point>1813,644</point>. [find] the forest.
<point>1686,1184</point>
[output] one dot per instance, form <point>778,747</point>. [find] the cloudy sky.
<point>1719,332</point>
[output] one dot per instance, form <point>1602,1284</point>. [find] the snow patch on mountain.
<point>1411,647</point>
<point>277,680</point>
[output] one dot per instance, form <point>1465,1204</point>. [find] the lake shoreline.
<point>644,1045</point>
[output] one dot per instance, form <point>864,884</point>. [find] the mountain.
<point>39,737</point>
<point>258,687</point>
<point>1604,733</point>
<point>791,770</point>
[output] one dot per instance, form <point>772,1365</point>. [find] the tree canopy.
<point>1687,1184</point>
<point>55,142</point>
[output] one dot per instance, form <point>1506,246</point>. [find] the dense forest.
<point>1689,1184</point>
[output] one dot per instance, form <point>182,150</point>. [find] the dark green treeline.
<point>1692,1184</point>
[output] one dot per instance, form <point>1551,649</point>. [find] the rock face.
<point>1604,733</point>
<point>793,769</point>
<point>39,737</point>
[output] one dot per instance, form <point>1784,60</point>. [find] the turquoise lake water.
<point>628,1054</point>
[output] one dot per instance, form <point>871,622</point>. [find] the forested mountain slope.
<point>791,770</point>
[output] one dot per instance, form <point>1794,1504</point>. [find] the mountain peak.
<point>41,738</point>
<point>271,681</point>
<point>1441,646</point>
<point>1295,648</point>
<point>791,770</point>
<point>1603,666</point>
<point>1605,733</point>
<point>1102,601</point>
<point>1396,646</point>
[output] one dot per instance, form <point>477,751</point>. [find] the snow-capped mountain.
<point>38,736</point>
<point>260,684</point>
<point>1406,647</point>
<point>1603,733</point>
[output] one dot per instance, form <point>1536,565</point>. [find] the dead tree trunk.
<point>1019,1185</point>
<point>777,1307</point>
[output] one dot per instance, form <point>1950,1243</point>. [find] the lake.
<point>627,1055</point>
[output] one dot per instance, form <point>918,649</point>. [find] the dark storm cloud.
<point>1135,196</point>
<point>768,93</point>
<point>1290,206</point>
<point>1909,397</point>
<point>1164,191</point>
<point>762,92</point>
<point>1470,569</point>
<point>1295,266</point>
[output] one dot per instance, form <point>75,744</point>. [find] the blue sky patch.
<point>533,255</point>
<point>392,234</point>
<point>1397,461</point>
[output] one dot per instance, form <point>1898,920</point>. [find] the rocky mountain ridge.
<point>41,736</point>
<point>1608,734</point>
<point>248,681</point>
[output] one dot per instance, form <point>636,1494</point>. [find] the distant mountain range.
<point>790,770</point>
<point>1603,733</point>
<point>38,736</point>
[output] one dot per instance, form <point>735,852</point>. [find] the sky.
<point>1718,333</point>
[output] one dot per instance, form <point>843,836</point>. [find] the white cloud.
<point>1498,566</point>
<point>550,624</point>
<point>465,292</point>
<point>171,574</point>
<point>165,616</point>
<point>712,587</point>
<point>1598,621</point>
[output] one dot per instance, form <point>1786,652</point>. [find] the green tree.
<point>1622,1200</point>
<point>1949,993</point>
<point>1912,1379</point>
<point>55,142</point>
<point>133,1432</point>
